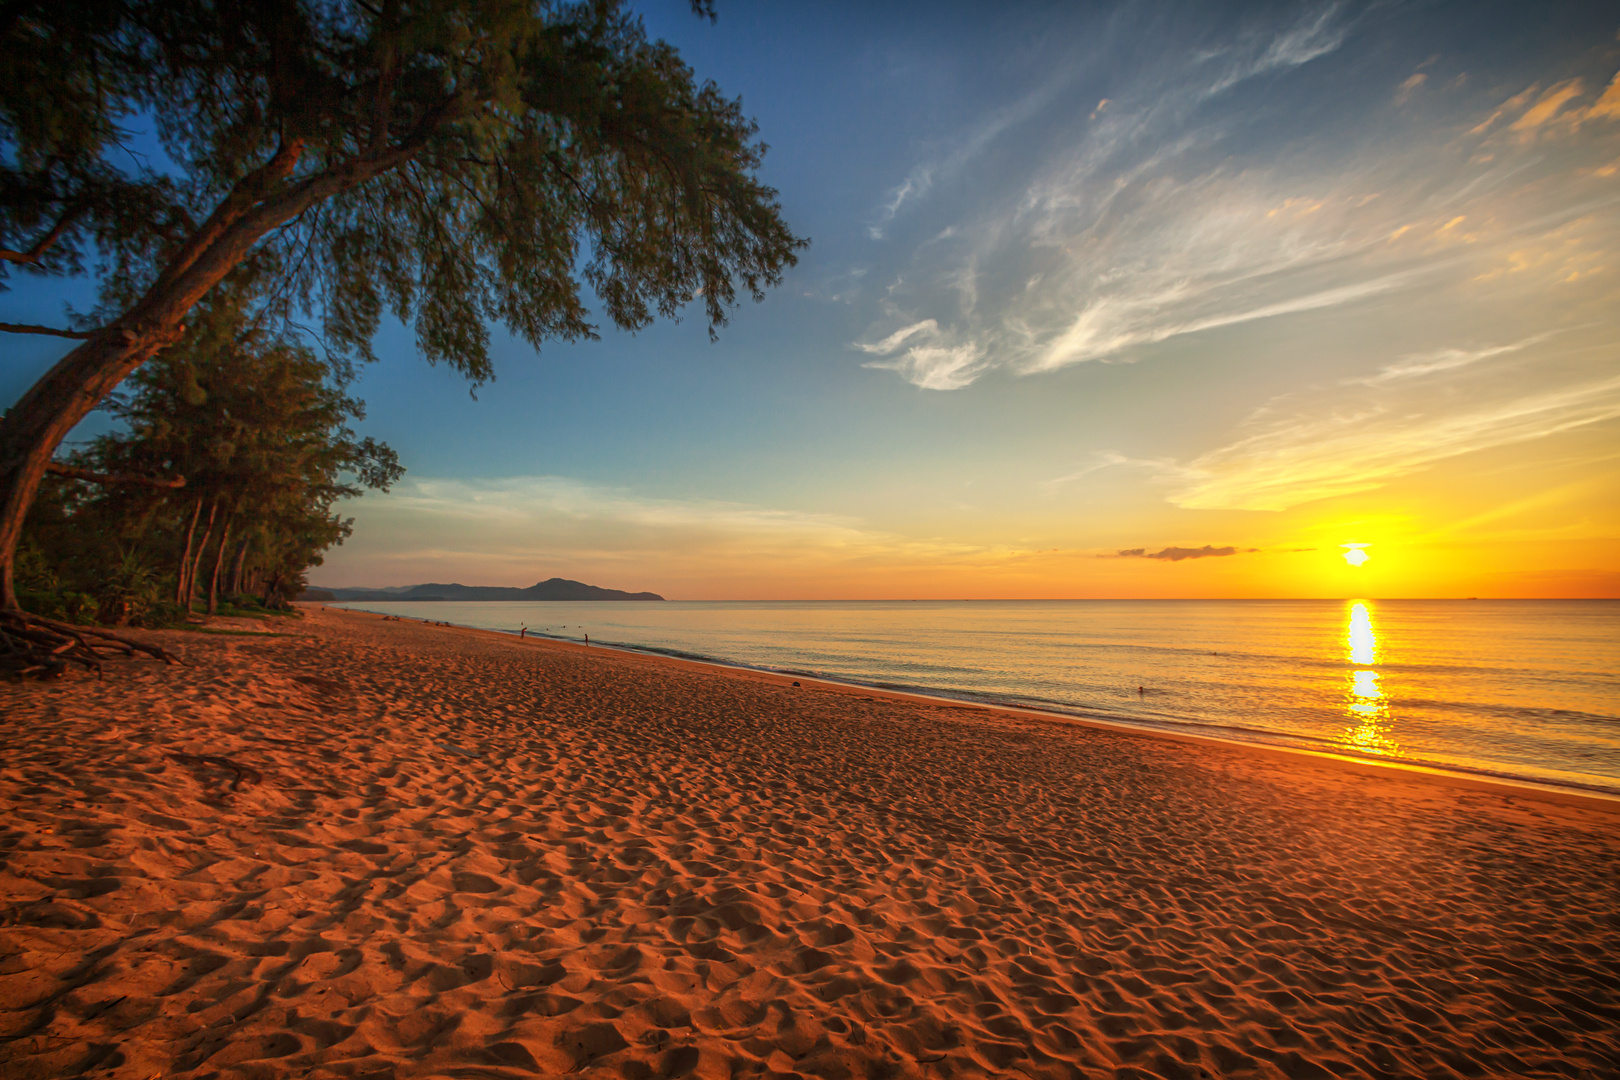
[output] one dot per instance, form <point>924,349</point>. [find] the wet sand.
<point>368,848</point>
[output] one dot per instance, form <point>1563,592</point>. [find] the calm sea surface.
<point>1518,688</point>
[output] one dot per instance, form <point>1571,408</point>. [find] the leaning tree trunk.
<point>196,562</point>
<point>219,561</point>
<point>180,582</point>
<point>31,431</point>
<point>241,563</point>
<point>264,199</point>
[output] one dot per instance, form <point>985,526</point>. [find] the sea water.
<point>1526,689</point>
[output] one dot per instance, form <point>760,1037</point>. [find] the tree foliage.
<point>452,162</point>
<point>258,427</point>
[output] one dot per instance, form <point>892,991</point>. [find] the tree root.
<point>243,772</point>
<point>34,647</point>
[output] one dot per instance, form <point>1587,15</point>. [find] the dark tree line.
<point>220,481</point>
<point>451,162</point>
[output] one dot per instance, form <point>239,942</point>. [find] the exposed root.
<point>243,772</point>
<point>34,647</point>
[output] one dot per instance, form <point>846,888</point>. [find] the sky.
<point>1102,300</point>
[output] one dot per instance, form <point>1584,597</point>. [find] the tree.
<point>450,161</point>
<point>257,425</point>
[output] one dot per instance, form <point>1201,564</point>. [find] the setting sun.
<point>1356,555</point>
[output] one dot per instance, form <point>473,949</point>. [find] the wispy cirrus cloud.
<point>1338,440</point>
<point>1111,325</point>
<point>1165,211</point>
<point>1447,359</point>
<point>927,328</point>
<point>916,351</point>
<point>506,531</point>
<point>963,151</point>
<point>1158,468</point>
<point>1319,30</point>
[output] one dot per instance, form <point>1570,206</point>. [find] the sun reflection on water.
<point>1365,703</point>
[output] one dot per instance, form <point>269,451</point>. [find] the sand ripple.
<point>382,849</point>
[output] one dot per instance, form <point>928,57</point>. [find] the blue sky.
<point>1083,279</point>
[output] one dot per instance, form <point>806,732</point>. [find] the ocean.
<point>1525,689</point>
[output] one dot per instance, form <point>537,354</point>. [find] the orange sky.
<point>1254,284</point>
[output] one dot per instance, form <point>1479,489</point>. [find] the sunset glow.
<point>1366,705</point>
<point>837,539</point>
<point>1303,275</point>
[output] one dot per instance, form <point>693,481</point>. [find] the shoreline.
<point>1597,799</point>
<point>366,848</point>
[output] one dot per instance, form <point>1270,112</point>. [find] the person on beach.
<point>587,641</point>
<point>524,631</point>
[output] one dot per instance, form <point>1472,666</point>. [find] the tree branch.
<point>247,192</point>
<point>34,254</point>
<point>115,478</point>
<point>388,63</point>
<point>247,213</point>
<point>29,328</point>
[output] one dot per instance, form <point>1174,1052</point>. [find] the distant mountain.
<point>555,589</point>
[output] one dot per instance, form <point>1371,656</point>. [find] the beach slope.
<point>378,848</point>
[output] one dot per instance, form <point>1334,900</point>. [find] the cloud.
<point>1448,359</point>
<point>1315,34</point>
<point>1177,554</point>
<point>498,513</point>
<point>1608,105</point>
<point>1554,111</point>
<point>1111,325</point>
<point>966,149</point>
<point>914,185</point>
<point>927,364</point>
<point>1410,87</point>
<point>1547,106</point>
<point>506,531</point>
<point>1335,442</point>
<point>1105,233</point>
<point>1159,467</point>
<point>1263,50</point>
<point>1165,257</point>
<point>927,327</point>
<point>937,367</point>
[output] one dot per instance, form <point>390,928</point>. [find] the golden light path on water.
<point>1366,705</point>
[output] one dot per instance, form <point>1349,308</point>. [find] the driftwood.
<point>34,647</point>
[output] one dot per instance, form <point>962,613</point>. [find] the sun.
<point>1356,554</point>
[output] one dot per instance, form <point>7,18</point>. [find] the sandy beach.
<point>377,848</point>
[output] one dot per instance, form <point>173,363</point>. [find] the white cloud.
<point>1300,449</point>
<point>927,327</point>
<point>937,367</point>
<point>626,517</point>
<point>914,185</point>
<point>517,530</point>
<point>1315,34</point>
<point>1111,324</point>
<point>931,366</point>
<point>1449,359</point>
<point>1170,213</point>
<point>1157,468</point>
<point>965,149</point>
